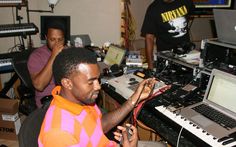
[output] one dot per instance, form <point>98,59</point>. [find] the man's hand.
<point>127,139</point>
<point>143,91</point>
<point>57,48</point>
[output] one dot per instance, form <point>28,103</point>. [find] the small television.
<point>45,19</point>
<point>212,3</point>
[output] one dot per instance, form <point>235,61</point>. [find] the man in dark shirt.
<point>166,21</point>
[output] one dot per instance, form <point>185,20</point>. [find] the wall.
<point>201,29</point>
<point>138,9</point>
<point>100,19</point>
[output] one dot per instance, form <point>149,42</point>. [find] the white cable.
<point>177,144</point>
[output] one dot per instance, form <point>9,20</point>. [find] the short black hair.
<point>68,59</point>
<point>55,24</point>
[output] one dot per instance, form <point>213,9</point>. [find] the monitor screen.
<point>222,92</point>
<point>44,20</point>
<point>115,55</point>
<point>212,3</point>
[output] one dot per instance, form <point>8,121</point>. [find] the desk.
<point>165,127</point>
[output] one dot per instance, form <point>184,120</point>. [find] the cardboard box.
<point>9,119</point>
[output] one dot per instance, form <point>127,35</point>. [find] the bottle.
<point>68,44</point>
<point>78,42</point>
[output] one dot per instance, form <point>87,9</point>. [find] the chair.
<point>25,89</point>
<point>29,131</point>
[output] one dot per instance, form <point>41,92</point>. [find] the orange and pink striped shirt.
<point>67,124</point>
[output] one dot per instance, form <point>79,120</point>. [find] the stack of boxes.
<point>9,119</point>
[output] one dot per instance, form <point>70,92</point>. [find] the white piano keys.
<point>10,1</point>
<point>231,144</point>
<point>17,30</point>
<point>23,28</point>
<point>5,62</point>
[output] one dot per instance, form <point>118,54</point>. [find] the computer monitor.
<point>222,91</point>
<point>45,19</point>
<point>115,55</point>
<point>212,3</point>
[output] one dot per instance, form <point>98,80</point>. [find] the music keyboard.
<point>6,65</point>
<point>7,30</point>
<point>10,1</point>
<point>6,61</point>
<point>193,128</point>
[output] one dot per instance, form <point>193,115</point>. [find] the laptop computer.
<point>114,55</point>
<point>220,98</point>
<point>225,23</point>
<point>126,84</point>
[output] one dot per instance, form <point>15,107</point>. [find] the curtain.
<point>128,25</point>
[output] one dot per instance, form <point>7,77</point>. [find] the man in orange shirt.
<point>73,119</point>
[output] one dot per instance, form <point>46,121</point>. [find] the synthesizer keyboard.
<point>6,65</point>
<point>5,62</point>
<point>7,30</point>
<point>195,129</point>
<point>10,1</point>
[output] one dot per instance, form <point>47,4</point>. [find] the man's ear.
<point>66,83</point>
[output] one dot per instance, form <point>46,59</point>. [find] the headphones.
<point>184,48</point>
<point>114,70</point>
